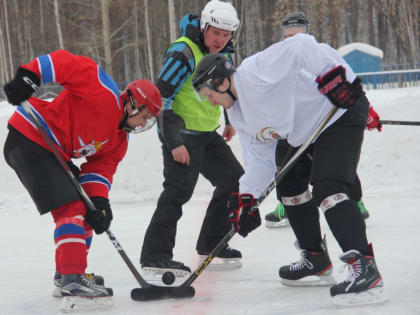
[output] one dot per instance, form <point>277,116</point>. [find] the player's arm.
<point>177,68</point>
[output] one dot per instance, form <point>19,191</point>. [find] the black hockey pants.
<point>331,169</point>
<point>40,172</point>
<point>211,157</point>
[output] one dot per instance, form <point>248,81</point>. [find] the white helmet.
<point>219,14</point>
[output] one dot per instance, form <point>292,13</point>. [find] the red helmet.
<point>145,93</point>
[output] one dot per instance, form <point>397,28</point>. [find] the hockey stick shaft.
<point>399,122</point>
<point>27,107</point>
<point>280,174</point>
<point>203,265</point>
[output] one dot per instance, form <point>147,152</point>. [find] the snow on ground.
<point>390,174</point>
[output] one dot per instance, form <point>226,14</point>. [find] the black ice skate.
<point>364,283</point>
<point>313,269</point>
<point>99,280</point>
<point>153,270</point>
<point>81,293</point>
<point>227,259</point>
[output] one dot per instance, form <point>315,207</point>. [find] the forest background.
<point>129,38</point>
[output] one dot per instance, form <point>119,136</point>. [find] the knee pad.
<point>327,194</point>
<point>297,200</point>
<point>323,189</point>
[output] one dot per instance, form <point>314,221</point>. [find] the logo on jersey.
<point>268,134</point>
<point>88,149</point>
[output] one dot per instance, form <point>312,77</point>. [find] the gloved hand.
<point>242,215</point>
<point>99,219</point>
<point>24,84</point>
<point>335,86</point>
<point>373,120</point>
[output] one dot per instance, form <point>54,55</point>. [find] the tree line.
<point>129,38</point>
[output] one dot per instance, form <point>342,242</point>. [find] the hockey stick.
<point>138,293</point>
<point>399,122</point>
<point>152,292</point>
<point>280,174</point>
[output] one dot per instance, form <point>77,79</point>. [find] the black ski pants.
<point>211,157</point>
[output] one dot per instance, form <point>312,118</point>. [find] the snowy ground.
<point>390,174</point>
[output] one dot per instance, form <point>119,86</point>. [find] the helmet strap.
<point>229,91</point>
<point>231,94</point>
<point>123,121</point>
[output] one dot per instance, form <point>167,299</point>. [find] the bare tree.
<point>9,47</point>
<point>21,49</point>
<point>136,42</point>
<point>148,39</point>
<point>4,76</point>
<point>106,36</point>
<point>172,24</point>
<point>403,15</point>
<point>58,24</point>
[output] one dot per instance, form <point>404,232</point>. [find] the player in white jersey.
<point>285,92</point>
<point>292,24</point>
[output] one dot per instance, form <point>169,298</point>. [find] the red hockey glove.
<point>373,120</point>
<point>335,86</point>
<point>242,215</point>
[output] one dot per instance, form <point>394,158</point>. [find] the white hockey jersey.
<point>278,98</point>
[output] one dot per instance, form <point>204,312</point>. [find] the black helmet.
<point>295,19</point>
<point>211,71</point>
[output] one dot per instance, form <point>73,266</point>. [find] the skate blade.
<point>310,281</point>
<point>79,303</point>
<point>221,264</point>
<point>274,225</point>
<point>154,276</point>
<point>371,296</point>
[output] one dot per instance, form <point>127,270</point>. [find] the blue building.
<point>362,57</point>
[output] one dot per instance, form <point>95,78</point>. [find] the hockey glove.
<point>373,120</point>
<point>99,219</point>
<point>335,86</point>
<point>242,215</point>
<point>22,86</point>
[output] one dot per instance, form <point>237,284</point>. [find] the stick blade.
<point>159,293</point>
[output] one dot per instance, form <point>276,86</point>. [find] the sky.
<point>390,173</point>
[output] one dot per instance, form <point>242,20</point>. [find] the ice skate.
<point>153,271</point>
<point>364,283</point>
<point>227,259</point>
<point>277,218</point>
<point>99,280</point>
<point>313,269</point>
<point>80,293</point>
<point>363,210</point>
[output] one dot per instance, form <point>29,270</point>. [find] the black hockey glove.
<point>242,215</point>
<point>99,219</point>
<point>22,86</point>
<point>335,86</point>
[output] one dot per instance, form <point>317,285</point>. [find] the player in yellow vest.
<point>192,146</point>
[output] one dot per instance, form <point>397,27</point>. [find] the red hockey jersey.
<point>82,120</point>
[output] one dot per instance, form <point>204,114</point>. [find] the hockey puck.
<point>168,278</point>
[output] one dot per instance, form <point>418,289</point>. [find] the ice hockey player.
<point>310,82</point>
<point>88,119</point>
<point>192,146</point>
<point>295,23</point>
